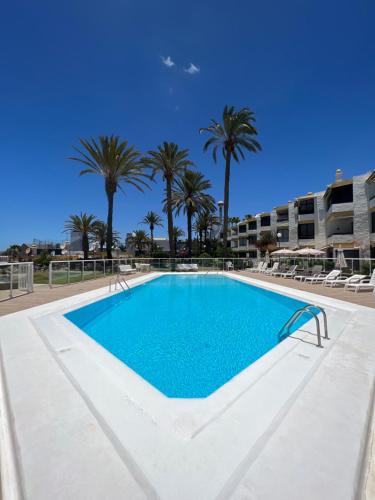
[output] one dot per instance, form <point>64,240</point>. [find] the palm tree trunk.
<point>152,239</point>
<point>200,241</point>
<point>170,217</point>
<point>85,246</point>
<point>226,201</point>
<point>189,216</point>
<point>110,195</point>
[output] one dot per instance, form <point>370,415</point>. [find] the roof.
<point>344,182</point>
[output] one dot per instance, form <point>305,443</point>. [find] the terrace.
<point>88,412</point>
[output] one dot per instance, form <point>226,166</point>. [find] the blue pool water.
<point>187,335</point>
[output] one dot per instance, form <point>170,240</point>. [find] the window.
<point>243,242</point>
<point>284,234</point>
<point>252,254</point>
<point>306,206</point>
<point>340,194</point>
<point>306,231</point>
<point>265,221</point>
<point>242,229</point>
<point>373,222</point>
<point>282,216</point>
<point>252,225</point>
<point>252,239</point>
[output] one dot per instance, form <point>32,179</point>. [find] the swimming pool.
<point>187,335</point>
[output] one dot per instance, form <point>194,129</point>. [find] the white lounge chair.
<point>282,269</point>
<point>193,267</point>
<point>272,269</point>
<point>229,265</point>
<point>342,281</point>
<point>321,278</point>
<point>365,284</point>
<point>263,269</point>
<point>126,269</point>
<point>182,267</point>
<point>291,273</point>
<point>314,271</point>
<point>255,269</point>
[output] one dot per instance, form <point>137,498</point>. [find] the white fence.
<point>73,271</point>
<point>15,279</point>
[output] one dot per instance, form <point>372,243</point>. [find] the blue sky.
<point>78,69</point>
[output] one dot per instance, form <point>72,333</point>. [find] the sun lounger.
<point>291,273</point>
<point>255,269</point>
<point>187,267</point>
<point>126,269</point>
<point>314,271</point>
<point>365,284</point>
<point>263,269</point>
<point>342,281</point>
<point>321,278</point>
<point>272,269</point>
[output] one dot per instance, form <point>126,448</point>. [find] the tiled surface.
<point>43,294</point>
<point>363,298</point>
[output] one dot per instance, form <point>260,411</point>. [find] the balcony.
<point>282,220</point>
<point>340,238</point>
<point>339,208</point>
<point>306,242</point>
<point>306,217</point>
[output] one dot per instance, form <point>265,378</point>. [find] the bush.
<point>160,255</point>
<point>43,260</point>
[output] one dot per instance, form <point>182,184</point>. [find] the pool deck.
<point>363,298</point>
<point>43,294</point>
<point>77,423</point>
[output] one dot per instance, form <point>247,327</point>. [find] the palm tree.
<point>171,162</point>
<point>84,224</point>
<point>100,234</point>
<point>203,223</point>
<point>118,164</point>
<point>152,219</point>
<point>236,133</point>
<point>140,239</point>
<point>189,194</point>
<point>177,234</point>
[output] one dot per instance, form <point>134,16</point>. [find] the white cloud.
<point>167,61</point>
<point>192,69</point>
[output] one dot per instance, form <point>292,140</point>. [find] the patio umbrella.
<point>309,251</point>
<point>340,259</point>
<point>283,251</point>
<point>267,257</point>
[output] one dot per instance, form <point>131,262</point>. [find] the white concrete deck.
<point>78,423</point>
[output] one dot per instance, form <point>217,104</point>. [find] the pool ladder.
<point>121,282</point>
<point>307,309</point>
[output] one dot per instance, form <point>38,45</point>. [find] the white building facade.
<point>341,216</point>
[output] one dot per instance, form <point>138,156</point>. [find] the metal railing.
<point>74,271</point>
<point>353,265</point>
<point>297,314</point>
<point>119,281</point>
<point>15,279</point>
<point>63,272</point>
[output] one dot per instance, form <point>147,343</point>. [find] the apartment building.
<point>341,216</point>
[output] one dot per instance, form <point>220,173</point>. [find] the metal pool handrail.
<point>120,281</point>
<point>307,309</point>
